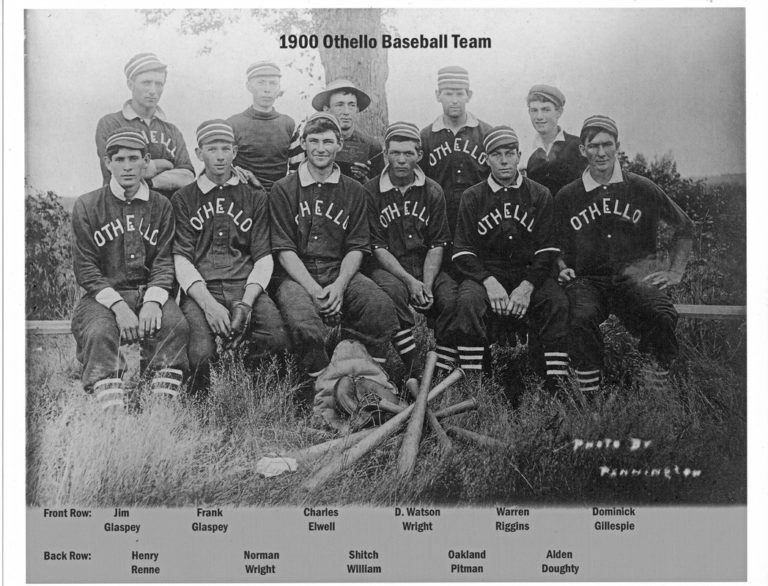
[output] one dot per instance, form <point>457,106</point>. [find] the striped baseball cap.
<point>128,137</point>
<point>263,69</point>
<point>602,122</point>
<point>404,130</point>
<point>500,136</point>
<point>453,77</point>
<point>215,130</point>
<point>546,93</point>
<point>143,62</point>
<point>327,116</point>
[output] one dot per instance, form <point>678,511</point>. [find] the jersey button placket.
<point>132,242</point>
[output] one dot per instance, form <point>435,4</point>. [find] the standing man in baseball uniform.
<point>361,156</point>
<point>453,143</point>
<point>170,166</point>
<point>320,235</point>
<point>122,238</point>
<point>223,259</point>
<point>606,224</point>
<point>504,250</point>
<point>556,159</point>
<point>409,232</point>
<point>262,134</point>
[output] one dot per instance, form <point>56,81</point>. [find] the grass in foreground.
<point>205,452</point>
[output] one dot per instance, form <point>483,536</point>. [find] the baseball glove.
<point>352,385</point>
<point>241,320</point>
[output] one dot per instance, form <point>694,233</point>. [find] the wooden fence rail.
<point>708,312</point>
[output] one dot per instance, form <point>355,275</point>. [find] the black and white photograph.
<point>459,285</point>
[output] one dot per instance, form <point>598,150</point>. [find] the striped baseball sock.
<point>109,394</point>
<point>471,357</point>
<point>589,380</point>
<point>655,377</point>
<point>166,383</point>
<point>405,345</point>
<point>446,357</point>
<point>557,365</point>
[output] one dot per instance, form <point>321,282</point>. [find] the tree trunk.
<point>368,68</point>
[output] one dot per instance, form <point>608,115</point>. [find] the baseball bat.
<point>477,438</point>
<point>327,446</point>
<point>373,439</point>
<point>409,449</point>
<point>442,437</point>
<point>468,405</point>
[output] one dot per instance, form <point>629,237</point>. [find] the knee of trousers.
<point>471,310</point>
<point>200,350</point>
<point>378,315</point>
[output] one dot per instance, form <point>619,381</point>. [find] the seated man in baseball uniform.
<point>606,225</point>
<point>555,160</point>
<point>262,134</point>
<point>360,156</point>
<point>409,232</point>
<point>122,239</point>
<point>170,167</point>
<point>223,258</point>
<point>320,235</point>
<point>503,249</point>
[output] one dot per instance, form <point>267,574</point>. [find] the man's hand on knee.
<point>497,295</point>
<point>519,300</point>
<point>127,322</point>
<point>664,279</point>
<point>218,318</point>
<point>150,319</point>
<point>330,299</point>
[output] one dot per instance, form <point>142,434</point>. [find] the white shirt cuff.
<point>186,273</point>
<point>108,297</point>
<point>156,294</point>
<point>261,272</point>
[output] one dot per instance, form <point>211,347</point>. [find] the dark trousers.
<point>477,326</point>
<point>439,315</point>
<point>267,333</point>
<point>644,310</point>
<point>367,315</point>
<point>98,339</point>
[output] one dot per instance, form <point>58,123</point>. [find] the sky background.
<point>673,79</point>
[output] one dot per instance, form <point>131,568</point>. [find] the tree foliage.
<point>51,290</point>
<point>716,273</point>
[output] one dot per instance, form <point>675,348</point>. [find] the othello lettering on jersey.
<point>221,229</point>
<point>602,228</point>
<point>323,209</point>
<point>114,228</point>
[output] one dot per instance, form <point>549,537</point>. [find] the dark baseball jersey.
<point>603,228</point>
<point>119,244</point>
<point>501,230</point>
<point>165,139</point>
<point>455,161</point>
<point>221,229</point>
<point>408,223</point>
<point>318,221</point>
<point>359,147</point>
<point>262,140</point>
<point>558,167</point>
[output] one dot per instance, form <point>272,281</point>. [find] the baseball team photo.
<point>474,257</point>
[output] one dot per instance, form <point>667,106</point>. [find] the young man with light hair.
<point>555,160</point>
<point>262,134</point>
<point>121,249</point>
<point>409,232</point>
<point>169,167</point>
<point>606,225</point>
<point>223,259</point>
